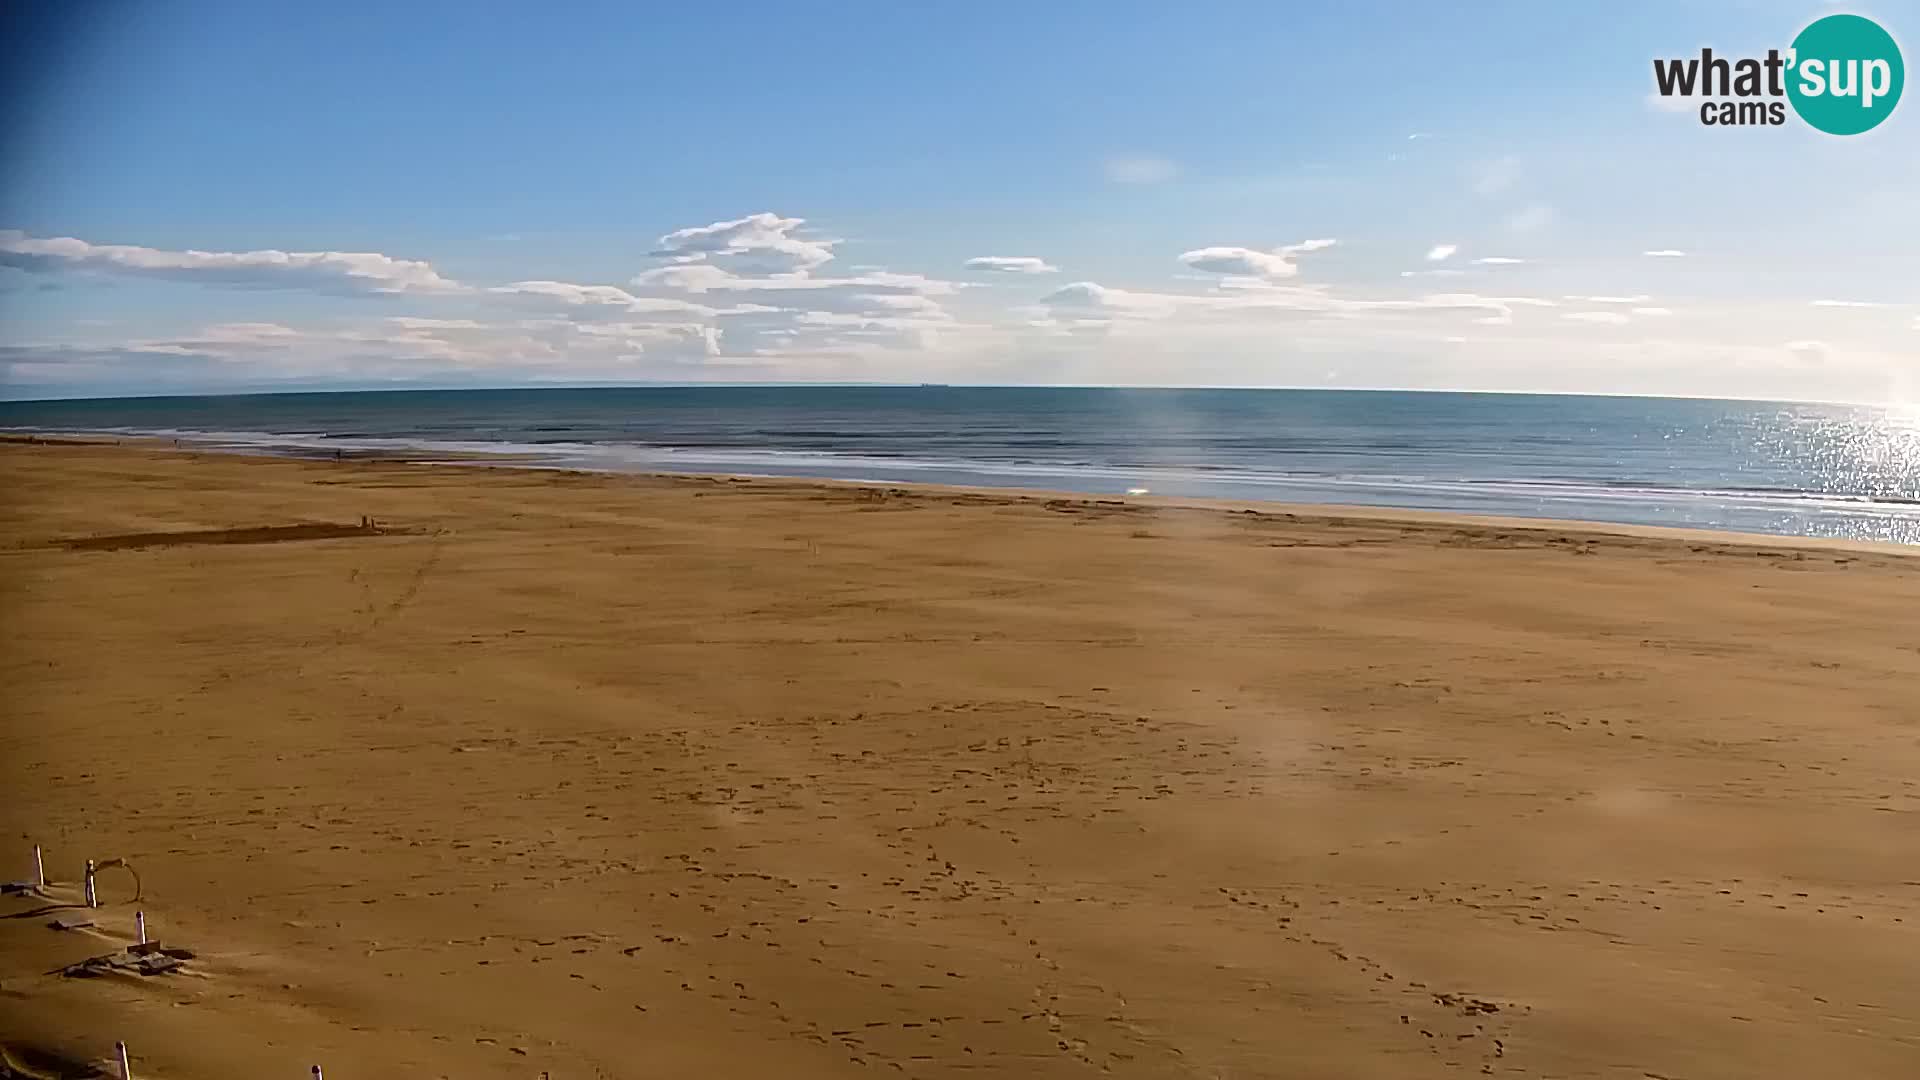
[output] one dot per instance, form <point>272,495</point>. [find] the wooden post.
<point>140,921</point>
<point>126,1070</point>
<point>93,898</point>
<point>39,867</point>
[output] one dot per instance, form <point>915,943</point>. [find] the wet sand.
<point>607,776</point>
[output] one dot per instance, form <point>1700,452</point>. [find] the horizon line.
<point>175,396</point>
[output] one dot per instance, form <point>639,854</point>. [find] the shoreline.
<point>1708,501</point>
<point>1331,514</point>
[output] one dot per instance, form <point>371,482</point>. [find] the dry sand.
<point>591,776</point>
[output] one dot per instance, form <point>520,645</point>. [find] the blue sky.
<point>1492,176</point>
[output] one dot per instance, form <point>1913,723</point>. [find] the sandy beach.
<point>572,776</point>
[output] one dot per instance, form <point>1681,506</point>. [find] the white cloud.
<point>785,302</point>
<point>320,271</point>
<point>763,242</point>
<point>1093,296</point>
<point>225,338</point>
<point>1140,169</point>
<point>691,277</point>
<point>410,322</point>
<point>628,332</point>
<point>761,264</point>
<point>1251,263</point>
<point>1849,304</point>
<point>1664,253</point>
<point>1011,264</point>
<point>1441,252</point>
<point>760,298</point>
<point>836,318</point>
<point>1090,300</point>
<point>1240,262</point>
<point>700,278</point>
<point>406,346</point>
<point>892,281</point>
<point>566,294</point>
<point>898,302</point>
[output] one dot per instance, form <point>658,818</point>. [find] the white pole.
<point>39,866</point>
<point>126,1070</point>
<point>140,920</point>
<point>93,898</point>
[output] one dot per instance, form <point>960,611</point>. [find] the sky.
<point>230,197</point>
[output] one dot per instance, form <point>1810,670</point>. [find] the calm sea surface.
<point>1798,469</point>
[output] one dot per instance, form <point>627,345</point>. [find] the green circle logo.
<point>1845,75</point>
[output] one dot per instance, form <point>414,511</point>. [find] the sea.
<point>1780,468</point>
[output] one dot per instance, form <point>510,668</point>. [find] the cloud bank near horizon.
<point>325,271</point>
<point>761,297</point>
